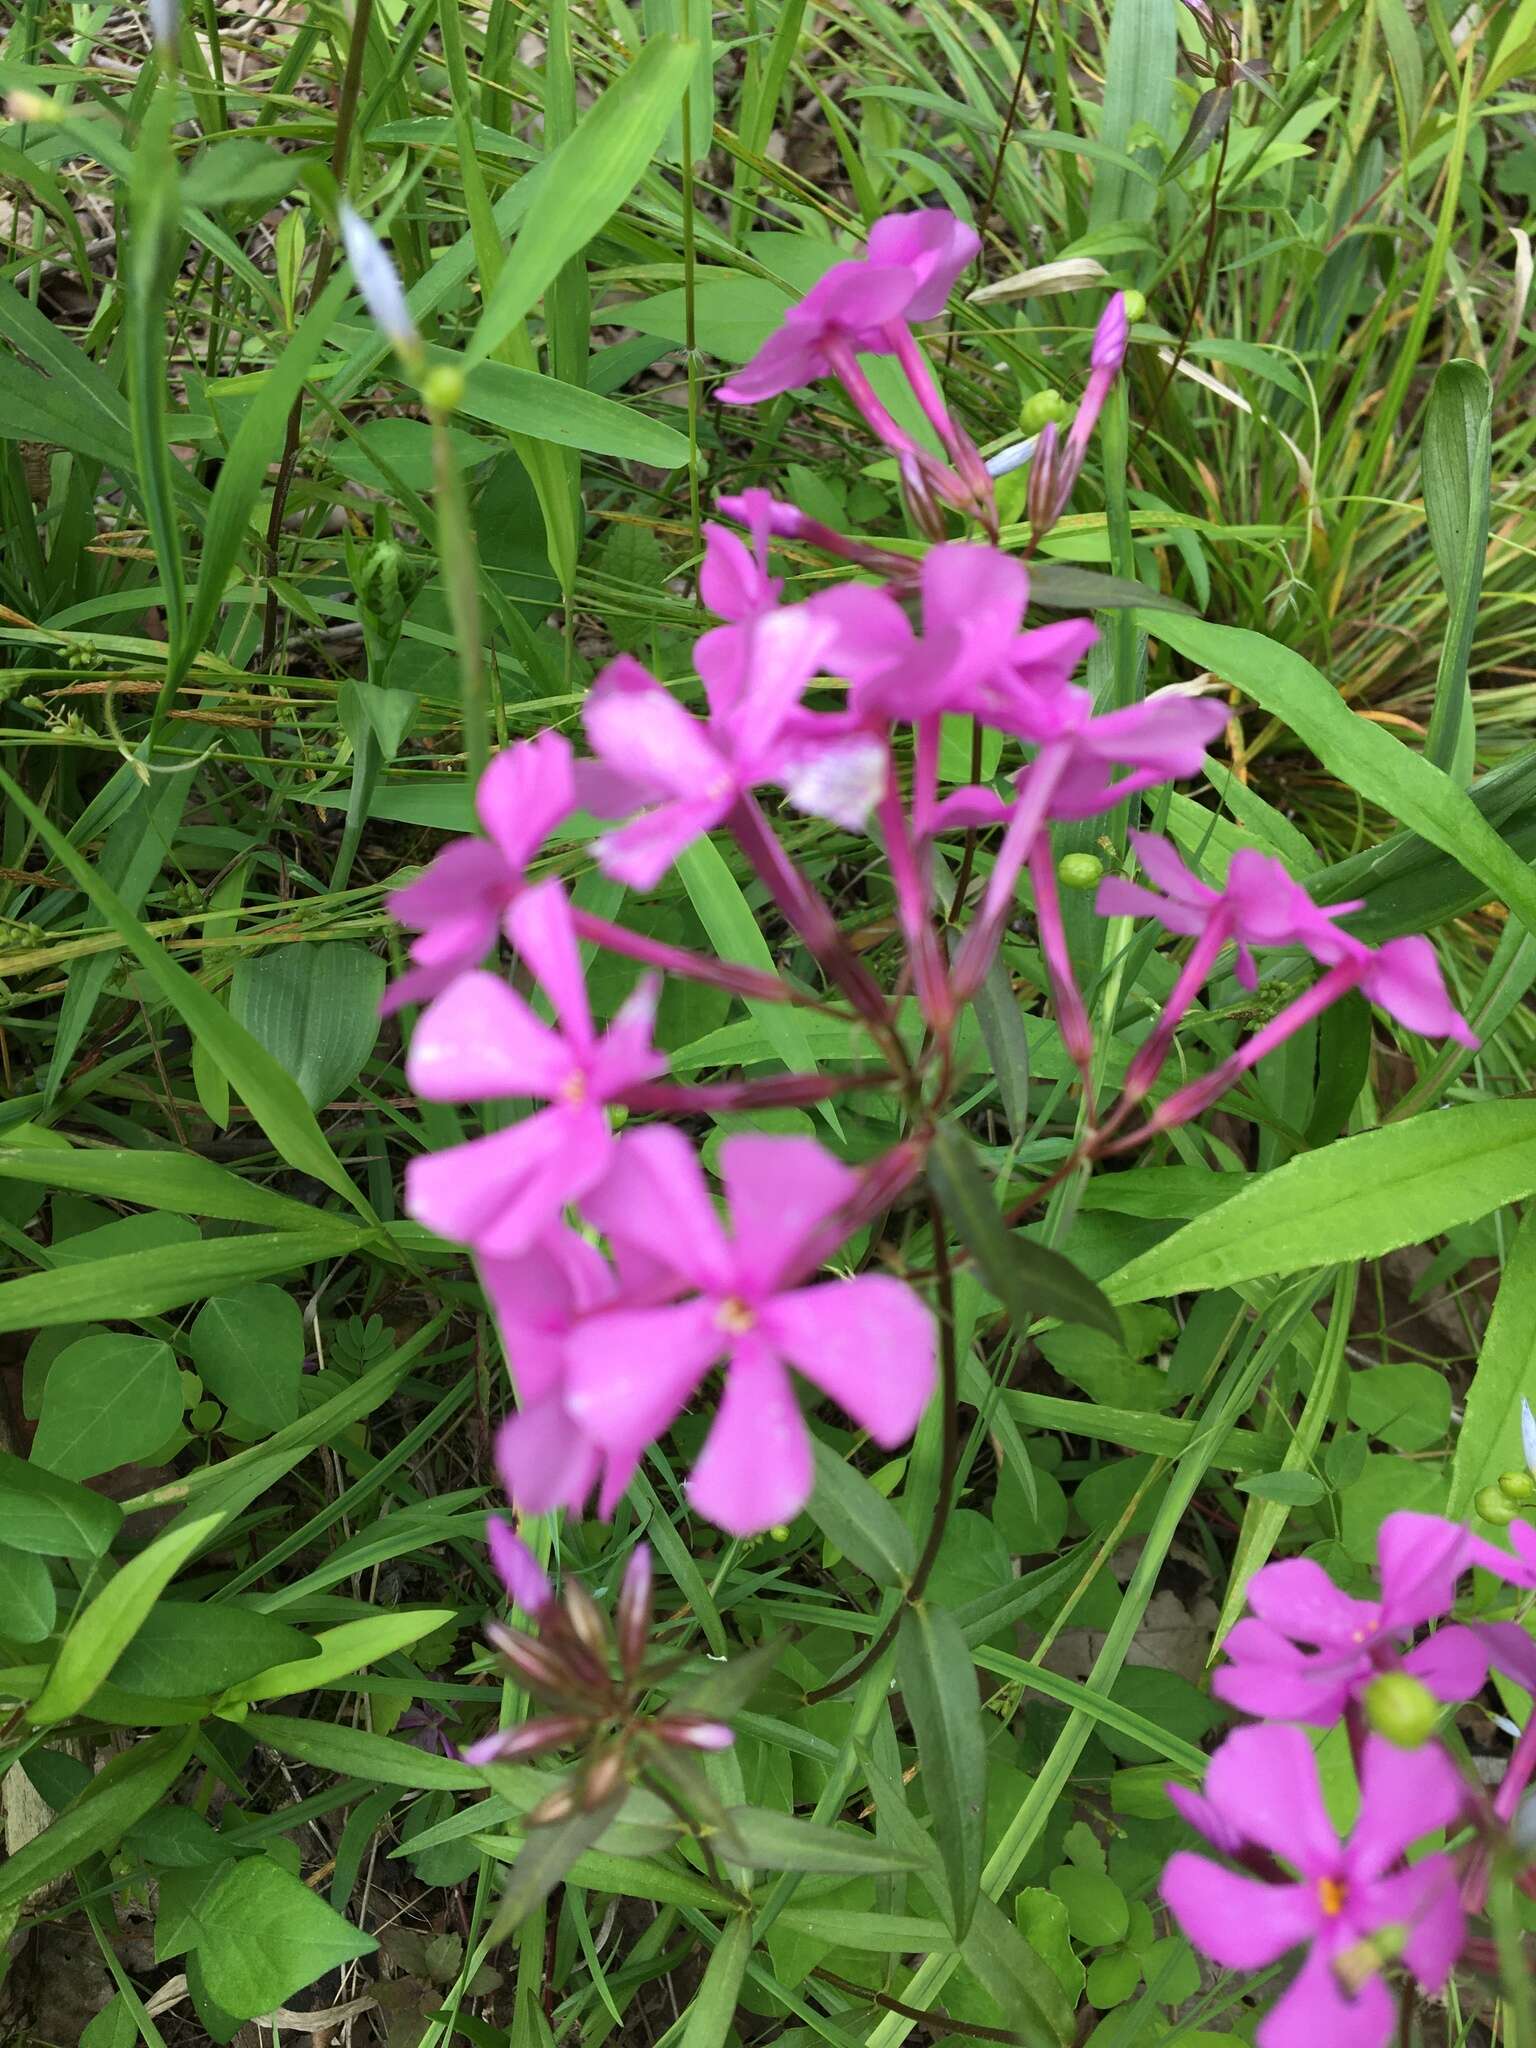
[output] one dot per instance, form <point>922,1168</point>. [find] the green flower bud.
<point>1495,1506</point>
<point>1080,871</point>
<point>1400,1708</point>
<point>1135,307</point>
<point>442,388</point>
<point>1040,409</point>
<point>1517,1486</point>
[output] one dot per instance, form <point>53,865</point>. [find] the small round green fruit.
<point>1040,410</point>
<point>1517,1486</point>
<point>1135,306</point>
<point>1398,1707</point>
<point>1495,1506</point>
<point>1080,871</point>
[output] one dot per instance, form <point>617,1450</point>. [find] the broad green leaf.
<point>147,1283</point>
<point>779,1841</point>
<point>343,1650</point>
<point>176,1181</point>
<point>1488,1443</point>
<point>354,1753</point>
<point>129,1786</point>
<point>587,179</point>
<point>1362,754</point>
<point>266,1935</point>
<point>102,1631</point>
<point>187,1648</point>
<point>107,1401</point>
<point>41,1512</point>
<point>1022,1982</point>
<point>271,1095</point>
<point>1029,1279</point>
<point>1457,486</point>
<point>938,1686</point>
<point>1285,1489</point>
<point>858,1520</point>
<point>1356,1199</point>
<point>248,1348</point>
<point>714,2003</point>
<point>28,1602</point>
<point>315,1008</point>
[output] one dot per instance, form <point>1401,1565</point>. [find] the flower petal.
<point>1426,1899</point>
<point>1317,2013</point>
<point>1240,1922</point>
<point>525,792</point>
<point>1404,1793</point>
<point>641,731</point>
<point>479,1042</point>
<point>779,1190</point>
<point>501,1192</point>
<point>1298,1598</point>
<point>654,1198</point>
<point>640,853</point>
<point>631,1371</point>
<point>1453,1663</point>
<point>539,924</point>
<point>545,1460</point>
<point>869,1342</point>
<point>1419,1559</point>
<point>1263,1782</point>
<point>755,1471</point>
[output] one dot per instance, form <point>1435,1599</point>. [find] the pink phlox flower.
<point>1306,1649</point>
<point>907,273</point>
<point>690,774</point>
<point>1259,905</point>
<point>867,1342</point>
<point>480,1041</point>
<point>460,902</point>
<point>733,579</point>
<point>545,1459</point>
<point>1263,1788</point>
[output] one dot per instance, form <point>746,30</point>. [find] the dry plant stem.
<point>949,1465</point>
<point>935,2022</point>
<point>1212,224</point>
<point>346,114</point>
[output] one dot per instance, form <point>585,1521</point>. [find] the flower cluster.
<point>616,1282</point>
<point>569,1667</point>
<point>1310,1655</point>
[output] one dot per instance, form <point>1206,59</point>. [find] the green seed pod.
<point>1135,307</point>
<point>1400,1708</point>
<point>1495,1506</point>
<point>1517,1486</point>
<point>1038,410</point>
<point>1080,871</point>
<point>442,388</point>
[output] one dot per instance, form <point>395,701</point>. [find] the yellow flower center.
<point>735,1317</point>
<point>574,1089</point>
<point>1331,1896</point>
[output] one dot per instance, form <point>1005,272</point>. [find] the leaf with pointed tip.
<point>938,1684</point>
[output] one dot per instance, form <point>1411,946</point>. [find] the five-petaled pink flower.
<point>1354,1905</point>
<point>480,1041</point>
<point>1306,1650</point>
<point>460,902</point>
<point>868,1342</point>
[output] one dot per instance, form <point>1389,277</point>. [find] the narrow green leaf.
<point>148,1283</point>
<point>1019,1979</point>
<point>1029,1279</point>
<point>1356,1199</point>
<point>354,1753</point>
<point>714,2003</point>
<point>779,1841</point>
<point>938,1685</point>
<point>1457,490</point>
<point>1063,587</point>
<point>176,1181</point>
<point>1488,1443</point>
<point>545,1857</point>
<point>858,1520</point>
<point>1138,95</point>
<point>545,409</point>
<point>99,1635</point>
<point>342,1650</point>
<point>587,180</point>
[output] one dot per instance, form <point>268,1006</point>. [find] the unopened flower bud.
<point>558,1806</point>
<point>586,1619</point>
<point>442,389</point>
<point>164,21</point>
<point>1495,1506</point>
<point>1135,306</point>
<point>1528,1433</point>
<point>1517,1486</point>
<point>1039,409</point>
<point>1402,1709</point>
<point>22,105</point>
<point>603,1779</point>
<point>1080,871</point>
<point>377,282</point>
<point>692,1731</point>
<point>1111,337</point>
<point>633,1613</point>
